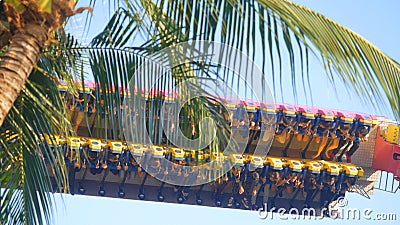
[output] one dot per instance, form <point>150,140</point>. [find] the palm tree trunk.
<point>18,62</point>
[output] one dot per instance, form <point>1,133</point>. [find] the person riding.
<point>247,182</point>
<point>309,186</point>
<point>361,135</point>
<point>303,131</point>
<point>239,116</point>
<point>235,180</point>
<point>80,110</point>
<point>264,185</point>
<point>327,190</point>
<point>344,137</point>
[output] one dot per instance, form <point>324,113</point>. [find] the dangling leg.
<point>341,142</point>
<point>255,193</point>
<point>334,145</point>
<point>322,144</point>
<point>344,150</point>
<point>353,149</point>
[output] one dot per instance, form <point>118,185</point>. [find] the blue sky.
<point>377,21</point>
<point>84,210</point>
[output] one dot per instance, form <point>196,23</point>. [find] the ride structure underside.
<point>316,156</point>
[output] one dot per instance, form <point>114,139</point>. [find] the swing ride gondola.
<point>311,147</point>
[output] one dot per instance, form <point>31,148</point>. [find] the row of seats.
<point>119,157</point>
<point>329,130</point>
<point>73,145</point>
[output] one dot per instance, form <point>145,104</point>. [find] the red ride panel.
<point>386,156</point>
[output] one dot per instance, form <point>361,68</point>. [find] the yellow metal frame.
<point>368,122</point>
<point>256,161</point>
<point>308,114</point>
<point>157,151</point>
<point>52,140</point>
<point>347,119</point>
<point>217,156</point>
<point>74,142</point>
<point>84,141</point>
<point>392,133</point>
<point>177,153</point>
<point>270,110</point>
<point>349,169</point>
<point>287,112</point>
<point>94,144</point>
<point>200,155</point>
<point>274,162</point>
<point>137,149</point>
<point>331,167</point>
<point>115,146</point>
<point>251,107</point>
<point>293,164</point>
<point>62,140</point>
<point>312,166</point>
<point>237,159</point>
<point>328,117</point>
<point>352,170</point>
<point>231,105</point>
<point>360,171</point>
<point>374,122</point>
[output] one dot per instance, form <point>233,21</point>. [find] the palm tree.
<point>31,24</point>
<point>31,107</point>
<point>267,30</point>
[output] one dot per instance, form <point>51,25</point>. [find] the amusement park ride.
<point>316,156</point>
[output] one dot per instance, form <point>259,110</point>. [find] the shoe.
<point>348,157</point>
<point>230,202</point>
<point>245,203</point>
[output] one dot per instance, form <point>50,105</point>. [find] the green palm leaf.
<point>284,28</point>
<point>25,175</point>
<point>27,164</point>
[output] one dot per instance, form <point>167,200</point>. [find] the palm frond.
<point>287,32</point>
<point>359,63</point>
<point>25,175</point>
<point>30,169</point>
